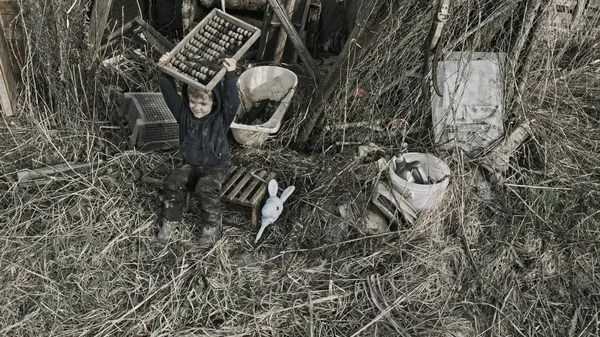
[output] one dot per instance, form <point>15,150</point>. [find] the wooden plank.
<point>238,188</point>
<point>307,59</point>
<point>265,32</point>
<point>44,175</point>
<point>236,175</point>
<point>98,22</point>
<point>302,27</point>
<point>252,186</point>
<point>8,84</point>
<point>258,196</point>
<point>280,46</point>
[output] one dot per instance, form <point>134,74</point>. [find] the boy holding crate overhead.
<point>204,120</point>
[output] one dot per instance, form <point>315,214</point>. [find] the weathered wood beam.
<point>280,46</point>
<point>305,12</point>
<point>286,23</point>
<point>8,83</point>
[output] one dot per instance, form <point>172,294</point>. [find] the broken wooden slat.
<point>238,173</point>
<point>307,59</point>
<point>8,84</point>
<point>44,175</point>
<point>252,185</point>
<point>162,41</point>
<point>497,160</point>
<point>394,199</point>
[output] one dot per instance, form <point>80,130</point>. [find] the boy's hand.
<point>229,64</point>
<point>164,58</point>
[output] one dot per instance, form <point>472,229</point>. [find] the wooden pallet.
<point>247,188</point>
<point>242,187</point>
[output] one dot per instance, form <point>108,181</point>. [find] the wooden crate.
<point>247,188</point>
<point>197,57</point>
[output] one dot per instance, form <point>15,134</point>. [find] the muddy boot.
<point>165,231</point>
<point>209,236</point>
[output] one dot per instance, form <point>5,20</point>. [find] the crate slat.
<point>252,186</point>
<point>260,193</point>
<point>233,194</point>
<point>236,174</point>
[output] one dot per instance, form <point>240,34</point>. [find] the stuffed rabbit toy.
<point>273,206</point>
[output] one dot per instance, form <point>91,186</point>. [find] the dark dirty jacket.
<point>203,141</point>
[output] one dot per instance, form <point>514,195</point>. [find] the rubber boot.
<point>165,231</point>
<point>210,235</point>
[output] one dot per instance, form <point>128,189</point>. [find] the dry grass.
<point>78,256</point>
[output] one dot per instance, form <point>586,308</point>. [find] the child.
<point>204,120</point>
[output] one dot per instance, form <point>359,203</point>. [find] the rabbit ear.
<point>286,194</point>
<point>273,188</point>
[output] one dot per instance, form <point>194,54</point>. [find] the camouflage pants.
<point>204,181</point>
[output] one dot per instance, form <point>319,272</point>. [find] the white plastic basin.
<point>256,85</point>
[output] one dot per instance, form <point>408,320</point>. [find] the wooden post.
<point>8,97</point>
<point>100,14</point>
<point>286,23</point>
<point>265,33</point>
<point>302,27</point>
<point>280,46</point>
<point>363,35</point>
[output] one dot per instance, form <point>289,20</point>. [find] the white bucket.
<point>422,197</point>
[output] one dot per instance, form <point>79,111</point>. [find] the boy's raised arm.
<point>230,92</point>
<point>168,88</point>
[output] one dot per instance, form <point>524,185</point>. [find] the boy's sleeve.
<point>231,97</point>
<point>169,92</point>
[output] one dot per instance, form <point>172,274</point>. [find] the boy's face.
<point>201,105</point>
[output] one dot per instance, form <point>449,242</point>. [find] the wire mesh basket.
<point>151,124</point>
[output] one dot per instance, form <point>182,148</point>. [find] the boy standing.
<point>204,120</point>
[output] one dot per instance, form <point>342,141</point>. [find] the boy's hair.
<point>197,93</point>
